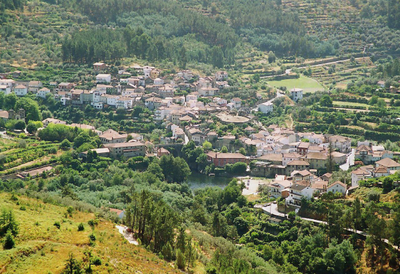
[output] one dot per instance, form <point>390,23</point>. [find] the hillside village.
<point>298,161</point>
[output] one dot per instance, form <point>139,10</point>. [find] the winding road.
<point>272,209</point>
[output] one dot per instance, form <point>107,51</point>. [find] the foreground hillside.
<point>43,248</point>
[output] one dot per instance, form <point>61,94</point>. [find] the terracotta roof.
<point>304,145</point>
<point>226,155</point>
<point>316,155</point>
<point>337,183</point>
<point>298,163</point>
<point>122,145</point>
<point>387,162</point>
<point>319,184</point>
<point>291,155</point>
<point>381,169</point>
<point>271,157</point>
<point>4,114</point>
<point>302,173</point>
<point>112,134</point>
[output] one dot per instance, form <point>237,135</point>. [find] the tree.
<point>167,252</point>
<point>387,185</point>
<point>65,144</point>
<point>181,239</point>
<point>155,169</point>
<point>331,129</point>
<point>217,57</point>
<point>326,101</point>
<point>224,149</point>
<point>9,242</point>
<point>395,227</point>
<point>31,107</point>
<point>271,57</point>
<point>207,146</point>
<point>10,101</point>
<point>72,266</point>
<point>180,259</point>
<point>381,104</point>
<point>20,125</point>
<point>31,128</point>
<point>278,256</point>
<point>373,100</point>
<point>242,150</point>
<point>82,138</point>
<point>239,168</point>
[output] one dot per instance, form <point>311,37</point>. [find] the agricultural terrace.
<point>18,154</point>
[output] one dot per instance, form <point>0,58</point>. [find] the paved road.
<point>272,209</point>
<point>350,160</point>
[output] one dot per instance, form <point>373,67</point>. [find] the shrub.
<point>81,227</point>
<point>92,237</point>
<point>57,224</point>
<point>96,261</point>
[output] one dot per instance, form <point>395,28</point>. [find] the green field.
<point>305,83</point>
<point>355,104</point>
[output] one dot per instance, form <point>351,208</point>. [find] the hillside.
<point>43,248</point>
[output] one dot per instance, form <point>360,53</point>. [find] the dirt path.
<point>128,236</point>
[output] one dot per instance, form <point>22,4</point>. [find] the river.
<point>197,180</point>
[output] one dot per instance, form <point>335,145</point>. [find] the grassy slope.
<point>43,248</point>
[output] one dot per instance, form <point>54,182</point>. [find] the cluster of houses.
<point>114,144</point>
<point>376,162</point>
<point>301,182</point>
<point>20,89</point>
<point>304,184</point>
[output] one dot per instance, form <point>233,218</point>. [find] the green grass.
<point>43,248</point>
<point>307,84</point>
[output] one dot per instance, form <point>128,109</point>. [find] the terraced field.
<point>303,82</point>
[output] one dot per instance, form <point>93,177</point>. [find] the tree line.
<point>113,44</point>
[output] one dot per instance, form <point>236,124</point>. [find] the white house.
<point>147,71</point>
<point>237,102</point>
<point>296,94</point>
<point>360,174</point>
<point>337,187</point>
<point>34,86</point>
<point>266,107</point>
<point>381,171</point>
<point>278,185</point>
<point>103,78</point>
<point>7,82</point>
<point>289,157</point>
<point>388,163</point>
<point>221,75</point>
<point>112,100</point>
<point>43,92</point>
<point>125,102</point>
<point>97,105</point>
<point>5,89</point>
<point>21,90</point>
<point>158,82</point>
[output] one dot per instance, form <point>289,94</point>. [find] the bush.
<point>92,237</point>
<point>57,224</point>
<point>81,227</point>
<point>96,261</point>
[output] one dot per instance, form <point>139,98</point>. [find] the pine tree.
<point>9,241</point>
<point>180,259</point>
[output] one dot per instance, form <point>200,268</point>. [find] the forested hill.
<point>204,31</point>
